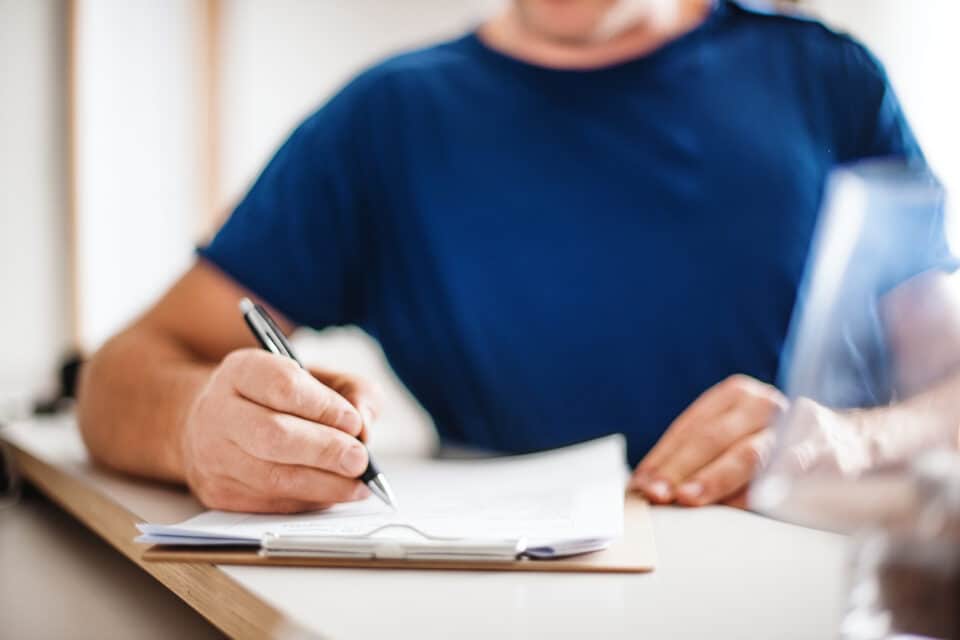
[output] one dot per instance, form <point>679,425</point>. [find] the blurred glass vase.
<point>869,442</point>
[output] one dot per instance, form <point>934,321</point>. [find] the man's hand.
<point>712,450</point>
<point>266,436</point>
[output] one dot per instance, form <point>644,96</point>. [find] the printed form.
<point>564,501</point>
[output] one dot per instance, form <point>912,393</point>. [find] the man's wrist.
<point>174,449</point>
<point>896,433</point>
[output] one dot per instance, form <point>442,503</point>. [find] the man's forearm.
<point>133,399</point>
<point>922,321</point>
<point>927,419</point>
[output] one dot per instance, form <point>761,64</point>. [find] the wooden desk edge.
<point>211,592</point>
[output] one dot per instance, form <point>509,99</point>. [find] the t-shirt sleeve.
<point>875,123</point>
<point>876,127</point>
<point>295,238</point>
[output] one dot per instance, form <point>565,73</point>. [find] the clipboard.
<point>49,455</point>
<point>634,552</point>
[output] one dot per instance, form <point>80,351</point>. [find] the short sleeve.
<point>876,125</point>
<point>294,238</point>
<point>877,128</point>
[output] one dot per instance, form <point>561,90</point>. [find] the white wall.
<point>33,215</point>
<point>919,45</point>
<point>139,120</point>
<point>282,59</point>
<point>138,166</point>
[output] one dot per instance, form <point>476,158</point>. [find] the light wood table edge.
<point>208,590</point>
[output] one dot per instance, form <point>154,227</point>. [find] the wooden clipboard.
<point>633,553</point>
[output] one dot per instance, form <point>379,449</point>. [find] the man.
<point>589,216</point>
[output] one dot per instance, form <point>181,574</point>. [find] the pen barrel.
<point>370,472</point>
<point>257,334</point>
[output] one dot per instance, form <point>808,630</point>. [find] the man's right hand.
<point>264,435</point>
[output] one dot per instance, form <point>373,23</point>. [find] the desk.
<point>722,573</point>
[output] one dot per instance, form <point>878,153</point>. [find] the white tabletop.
<point>722,573</point>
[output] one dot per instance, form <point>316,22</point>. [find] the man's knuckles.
<point>750,390</point>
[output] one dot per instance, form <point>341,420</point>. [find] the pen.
<point>271,338</point>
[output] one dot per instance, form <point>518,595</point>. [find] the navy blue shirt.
<point>549,255</point>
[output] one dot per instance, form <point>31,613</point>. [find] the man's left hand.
<point>711,451</point>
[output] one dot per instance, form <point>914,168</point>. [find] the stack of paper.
<point>560,502</point>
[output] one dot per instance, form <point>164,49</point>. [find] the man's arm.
<point>922,322</point>
<point>712,450</point>
<point>177,397</point>
<point>921,318</point>
<point>136,390</point>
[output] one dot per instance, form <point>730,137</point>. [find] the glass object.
<point>905,576</point>
<point>843,448</point>
<point>869,442</point>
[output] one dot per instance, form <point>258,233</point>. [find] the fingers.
<point>739,500</point>
<point>714,437</point>
<point>710,403</point>
<point>280,384</point>
<point>230,495</point>
<point>292,482</point>
<point>264,435</point>
<point>240,482</point>
<point>290,440</point>
<point>366,396</point>
<point>715,423</point>
<point>727,476</point>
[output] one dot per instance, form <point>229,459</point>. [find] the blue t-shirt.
<point>550,255</point>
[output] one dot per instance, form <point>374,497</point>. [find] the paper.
<point>562,501</point>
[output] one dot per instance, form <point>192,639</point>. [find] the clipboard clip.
<point>373,545</point>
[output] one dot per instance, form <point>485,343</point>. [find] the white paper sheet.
<point>567,499</point>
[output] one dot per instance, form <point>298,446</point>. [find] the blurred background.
<point>129,128</point>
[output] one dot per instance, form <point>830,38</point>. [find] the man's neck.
<point>509,34</point>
